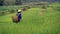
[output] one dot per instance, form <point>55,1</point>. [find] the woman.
<point>19,15</point>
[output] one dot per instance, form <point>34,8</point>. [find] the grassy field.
<point>32,22</point>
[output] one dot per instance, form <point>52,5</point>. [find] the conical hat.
<point>19,10</point>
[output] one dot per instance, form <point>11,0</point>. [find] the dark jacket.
<point>19,16</point>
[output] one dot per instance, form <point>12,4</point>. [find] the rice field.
<point>32,22</point>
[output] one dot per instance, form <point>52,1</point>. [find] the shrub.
<point>2,13</point>
<point>58,8</point>
<point>12,11</point>
<point>23,9</point>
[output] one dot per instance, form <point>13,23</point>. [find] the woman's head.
<point>19,12</point>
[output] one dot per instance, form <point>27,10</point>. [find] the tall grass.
<point>32,22</point>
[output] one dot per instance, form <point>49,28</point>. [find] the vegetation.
<point>32,22</point>
<point>10,9</point>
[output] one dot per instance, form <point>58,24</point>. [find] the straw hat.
<point>19,10</point>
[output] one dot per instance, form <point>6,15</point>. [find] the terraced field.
<point>33,22</point>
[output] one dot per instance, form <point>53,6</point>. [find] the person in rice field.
<point>19,15</point>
